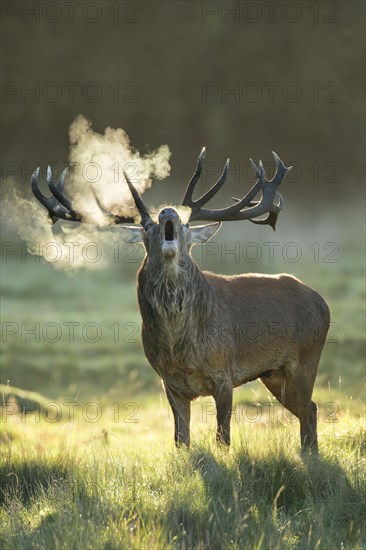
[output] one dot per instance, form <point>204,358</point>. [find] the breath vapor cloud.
<point>95,184</point>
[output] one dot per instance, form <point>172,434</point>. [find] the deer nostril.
<point>168,214</point>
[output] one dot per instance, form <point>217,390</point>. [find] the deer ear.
<point>131,234</point>
<point>202,233</point>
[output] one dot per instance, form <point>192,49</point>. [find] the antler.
<point>59,206</point>
<point>140,205</point>
<point>245,208</point>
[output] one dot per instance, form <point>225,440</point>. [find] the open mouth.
<point>170,243</point>
<point>169,231</point>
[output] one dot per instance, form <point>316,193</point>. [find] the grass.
<point>120,485</point>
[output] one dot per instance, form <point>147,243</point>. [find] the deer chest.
<point>185,362</point>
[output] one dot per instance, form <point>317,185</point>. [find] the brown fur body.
<point>206,334</point>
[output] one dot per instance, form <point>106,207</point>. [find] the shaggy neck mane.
<point>172,289</point>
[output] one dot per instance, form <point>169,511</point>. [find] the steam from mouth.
<point>97,163</point>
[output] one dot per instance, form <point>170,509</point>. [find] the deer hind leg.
<point>293,390</point>
<point>181,408</point>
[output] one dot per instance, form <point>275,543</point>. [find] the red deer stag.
<point>205,334</point>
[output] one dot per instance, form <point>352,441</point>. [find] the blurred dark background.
<point>242,78</point>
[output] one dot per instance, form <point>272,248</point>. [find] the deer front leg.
<point>224,403</point>
<point>181,408</point>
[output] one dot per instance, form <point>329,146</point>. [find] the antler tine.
<point>187,199</point>
<point>140,205</point>
<point>281,169</point>
<point>273,214</point>
<point>60,207</point>
<point>246,208</point>
<point>214,189</point>
<point>56,210</point>
<point>57,189</point>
